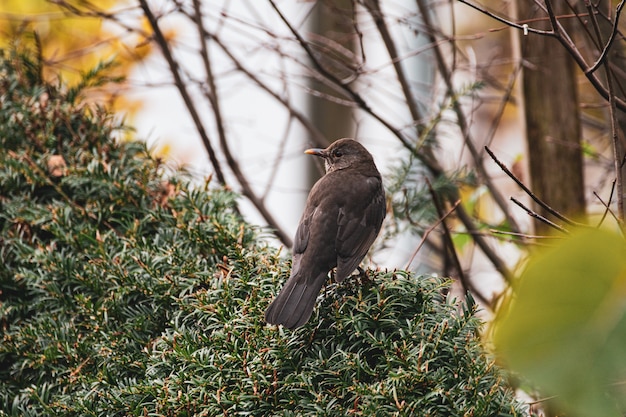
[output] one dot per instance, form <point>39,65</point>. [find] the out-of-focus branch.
<point>527,190</point>
<point>427,157</point>
<point>561,35</point>
<point>524,27</point>
<point>609,42</point>
<point>354,96</point>
<point>539,217</point>
<point>618,147</point>
<point>247,190</point>
<point>182,88</point>
<point>468,286</point>
<point>462,121</point>
<point>373,7</point>
<point>607,206</point>
<point>317,137</point>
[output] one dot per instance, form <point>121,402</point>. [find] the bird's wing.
<point>311,234</point>
<point>301,240</point>
<point>358,230</point>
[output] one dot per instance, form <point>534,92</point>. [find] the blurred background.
<point>235,91</point>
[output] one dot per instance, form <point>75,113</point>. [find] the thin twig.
<point>609,43</point>
<point>247,190</point>
<point>282,146</point>
<point>449,243</point>
<point>356,97</point>
<point>430,161</point>
<point>182,88</point>
<point>506,98</point>
<point>429,231</point>
<point>316,136</point>
<point>556,27</point>
<point>373,7</point>
<point>538,216</point>
<point>462,121</point>
<point>529,192</point>
<point>617,149</point>
<point>520,235</point>
<point>607,206</point>
<point>566,42</point>
<point>523,27</point>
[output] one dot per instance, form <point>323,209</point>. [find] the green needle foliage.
<point>125,293</point>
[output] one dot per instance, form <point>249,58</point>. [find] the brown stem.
<point>612,37</point>
<point>247,190</point>
<point>182,88</point>
<point>617,149</point>
<point>468,286</point>
<point>354,96</point>
<point>527,190</point>
<point>569,46</point>
<point>462,121</point>
<point>538,216</point>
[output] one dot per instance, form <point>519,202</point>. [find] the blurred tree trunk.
<point>333,38</point>
<point>552,117</point>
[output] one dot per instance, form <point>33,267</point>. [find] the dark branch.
<point>182,89</point>
<point>539,217</point>
<point>530,193</point>
<point>247,190</point>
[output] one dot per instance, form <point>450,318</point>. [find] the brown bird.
<point>342,217</point>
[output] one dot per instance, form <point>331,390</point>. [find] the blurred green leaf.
<point>564,328</point>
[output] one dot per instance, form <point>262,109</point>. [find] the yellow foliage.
<point>73,40</point>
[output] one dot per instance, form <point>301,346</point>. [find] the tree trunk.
<point>552,118</point>
<point>334,43</point>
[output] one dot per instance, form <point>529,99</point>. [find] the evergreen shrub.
<point>124,291</point>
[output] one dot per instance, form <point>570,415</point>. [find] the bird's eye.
<point>337,153</point>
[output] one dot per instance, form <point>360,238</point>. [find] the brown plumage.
<point>342,217</point>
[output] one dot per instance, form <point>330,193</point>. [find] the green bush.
<point>126,292</point>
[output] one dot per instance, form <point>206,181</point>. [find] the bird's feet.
<point>363,276</point>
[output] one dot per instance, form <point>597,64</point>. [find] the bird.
<point>342,217</point>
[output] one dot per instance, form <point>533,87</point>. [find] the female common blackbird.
<point>342,217</point>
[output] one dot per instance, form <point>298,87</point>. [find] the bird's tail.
<point>294,304</point>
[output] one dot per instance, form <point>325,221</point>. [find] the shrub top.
<point>127,293</point>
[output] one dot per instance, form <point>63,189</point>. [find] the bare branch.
<point>561,35</point>
<point>539,217</point>
<point>356,97</point>
<point>373,6</point>
<point>462,121</point>
<point>523,27</point>
<point>182,88</point>
<point>316,135</point>
<point>248,192</point>
<point>449,243</point>
<point>611,39</point>
<point>618,149</point>
<point>529,192</point>
<point>607,206</point>
<point>428,231</point>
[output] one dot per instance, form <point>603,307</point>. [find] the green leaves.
<point>565,326</point>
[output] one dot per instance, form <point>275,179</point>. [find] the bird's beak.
<point>317,152</point>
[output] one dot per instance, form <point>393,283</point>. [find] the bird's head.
<point>342,154</point>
